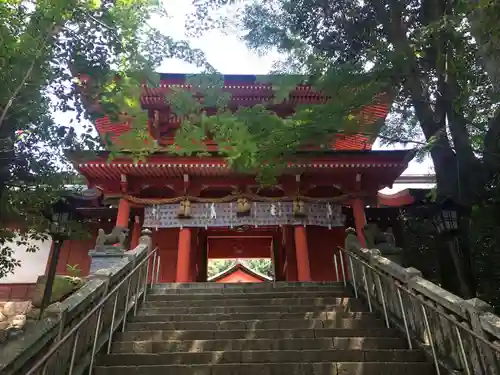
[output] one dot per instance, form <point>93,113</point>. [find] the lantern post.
<point>59,215</point>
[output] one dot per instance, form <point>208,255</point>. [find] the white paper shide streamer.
<point>213,212</point>
<point>273,209</point>
<point>225,215</point>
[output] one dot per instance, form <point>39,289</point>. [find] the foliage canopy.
<point>47,49</point>
<point>444,81</point>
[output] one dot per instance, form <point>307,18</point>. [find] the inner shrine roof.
<point>242,267</point>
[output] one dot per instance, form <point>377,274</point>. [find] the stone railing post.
<point>146,238</point>
<point>382,285</point>
<point>141,278</point>
<point>109,257</point>
<point>105,259</point>
<point>475,308</point>
<point>142,249</point>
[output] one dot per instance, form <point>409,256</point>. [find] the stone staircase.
<point>264,329</point>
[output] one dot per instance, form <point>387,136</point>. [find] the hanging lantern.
<point>243,207</point>
<point>446,217</point>
<point>184,209</point>
<point>299,209</point>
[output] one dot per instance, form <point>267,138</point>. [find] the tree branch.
<point>449,90</point>
<point>26,76</point>
<point>458,124</point>
<point>16,91</point>
<point>492,144</point>
<point>396,29</point>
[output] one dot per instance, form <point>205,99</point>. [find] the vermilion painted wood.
<point>228,247</point>
<point>184,255</point>
<point>302,253</point>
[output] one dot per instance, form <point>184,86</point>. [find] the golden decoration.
<point>243,207</point>
<point>298,207</point>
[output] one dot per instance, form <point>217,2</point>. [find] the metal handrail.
<point>471,354</point>
<point>131,303</point>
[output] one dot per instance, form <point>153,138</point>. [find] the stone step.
<point>275,284</point>
<point>150,314</point>
<point>152,346</point>
<point>161,308</point>
<point>213,288</point>
<point>325,368</point>
<point>262,356</point>
<point>161,335</point>
<point>158,295</point>
<point>161,301</point>
<point>147,323</point>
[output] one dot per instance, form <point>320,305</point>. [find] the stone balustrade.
<point>20,354</point>
<point>463,336</point>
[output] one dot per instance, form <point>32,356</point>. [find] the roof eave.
<point>233,268</point>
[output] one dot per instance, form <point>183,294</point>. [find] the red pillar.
<point>278,256</point>
<point>358,210</point>
<point>291,256</point>
<point>193,257</point>
<point>136,233</point>
<point>123,213</point>
<point>183,255</point>
<point>303,268</point>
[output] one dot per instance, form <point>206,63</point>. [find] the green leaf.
<point>95,4</point>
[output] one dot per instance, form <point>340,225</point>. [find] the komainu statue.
<point>383,241</point>
<point>351,240</point>
<point>113,241</point>
<point>375,237</point>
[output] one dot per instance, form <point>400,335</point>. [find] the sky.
<point>229,55</point>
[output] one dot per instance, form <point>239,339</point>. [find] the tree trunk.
<point>469,281</point>
<point>6,160</point>
<point>453,172</point>
<point>456,266</point>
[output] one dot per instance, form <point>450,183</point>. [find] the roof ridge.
<point>238,264</point>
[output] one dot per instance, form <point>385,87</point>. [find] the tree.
<point>88,57</point>
<point>263,266</point>
<point>485,239</point>
<point>216,266</point>
<point>423,52</point>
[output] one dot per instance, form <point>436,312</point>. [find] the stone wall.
<point>459,334</point>
<point>20,354</point>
